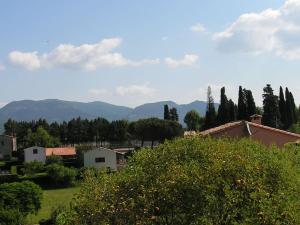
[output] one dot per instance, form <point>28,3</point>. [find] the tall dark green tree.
<point>290,108</point>
<point>166,112</point>
<point>210,116</point>
<point>250,103</point>
<point>174,114</point>
<point>242,105</point>
<point>232,110</point>
<point>223,110</point>
<point>271,115</point>
<point>193,120</point>
<point>282,109</point>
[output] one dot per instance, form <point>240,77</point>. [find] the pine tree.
<point>282,109</point>
<point>223,111</point>
<point>166,112</point>
<point>271,114</point>
<point>210,116</point>
<point>173,114</point>
<point>250,103</point>
<point>242,106</point>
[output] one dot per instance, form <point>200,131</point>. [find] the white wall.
<point>109,155</point>
<point>40,156</point>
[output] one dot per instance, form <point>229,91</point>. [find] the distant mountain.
<point>58,110</point>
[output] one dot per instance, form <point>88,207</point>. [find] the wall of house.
<point>238,131</point>
<point>7,146</point>
<point>40,156</point>
<point>270,137</point>
<point>109,155</point>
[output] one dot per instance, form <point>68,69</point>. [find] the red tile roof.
<point>221,128</point>
<point>65,151</point>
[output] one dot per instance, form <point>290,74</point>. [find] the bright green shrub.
<point>194,181</point>
<point>61,176</point>
<point>31,168</point>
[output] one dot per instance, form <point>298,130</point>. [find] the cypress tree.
<point>173,114</point>
<point>223,111</point>
<point>271,114</point>
<point>166,112</point>
<point>210,116</point>
<point>294,111</point>
<point>242,107</point>
<point>282,109</point>
<point>289,109</point>
<point>232,110</point>
<point>250,103</point>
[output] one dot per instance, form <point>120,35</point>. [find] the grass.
<point>52,199</point>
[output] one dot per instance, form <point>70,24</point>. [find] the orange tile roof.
<point>65,151</point>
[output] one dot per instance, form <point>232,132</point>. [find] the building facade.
<point>8,145</point>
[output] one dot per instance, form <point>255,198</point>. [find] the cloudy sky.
<point>137,51</point>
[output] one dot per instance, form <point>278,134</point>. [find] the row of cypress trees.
<point>278,112</point>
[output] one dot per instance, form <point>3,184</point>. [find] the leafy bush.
<point>61,176</point>
<point>194,181</point>
<point>17,200</point>
<point>8,178</point>
<point>31,168</point>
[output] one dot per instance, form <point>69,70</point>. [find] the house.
<point>254,130</point>
<point>105,158</point>
<point>8,145</point>
<point>36,153</point>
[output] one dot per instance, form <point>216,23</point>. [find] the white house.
<point>105,158</point>
<point>40,154</point>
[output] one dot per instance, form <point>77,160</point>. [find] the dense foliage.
<point>61,176</point>
<point>194,181</point>
<point>18,200</point>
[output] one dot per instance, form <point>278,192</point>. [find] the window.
<point>100,160</point>
<point>35,151</point>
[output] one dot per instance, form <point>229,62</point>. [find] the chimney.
<point>256,119</point>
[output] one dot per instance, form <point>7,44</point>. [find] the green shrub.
<point>11,217</point>
<point>8,178</point>
<point>20,197</point>
<point>31,168</point>
<point>194,181</point>
<point>61,176</point>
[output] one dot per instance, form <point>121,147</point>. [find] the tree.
<point>290,108</point>
<point>210,116</point>
<point>282,109</point>
<point>118,131</point>
<point>242,105</point>
<point>61,176</point>
<point>250,103</point>
<point>173,114</point>
<point>41,138</point>
<point>271,114</point>
<point>232,110</point>
<point>19,199</point>
<point>166,112</point>
<point>223,111</point>
<point>192,120</point>
<point>194,181</point>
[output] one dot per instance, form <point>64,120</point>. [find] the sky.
<point>138,51</point>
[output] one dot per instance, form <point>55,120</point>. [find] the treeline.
<point>99,130</point>
<point>277,111</point>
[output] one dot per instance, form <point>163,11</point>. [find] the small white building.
<point>40,154</point>
<point>105,158</point>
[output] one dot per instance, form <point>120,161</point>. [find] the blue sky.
<point>137,51</point>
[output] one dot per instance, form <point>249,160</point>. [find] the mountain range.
<point>59,110</point>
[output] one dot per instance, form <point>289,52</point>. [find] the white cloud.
<point>199,28</point>
<point>272,30</point>
<point>143,90</point>
<point>87,57</point>
<point>188,60</point>
<point>164,38</point>
<point>28,60</point>
<point>97,92</point>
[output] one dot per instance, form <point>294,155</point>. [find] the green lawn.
<point>52,199</point>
